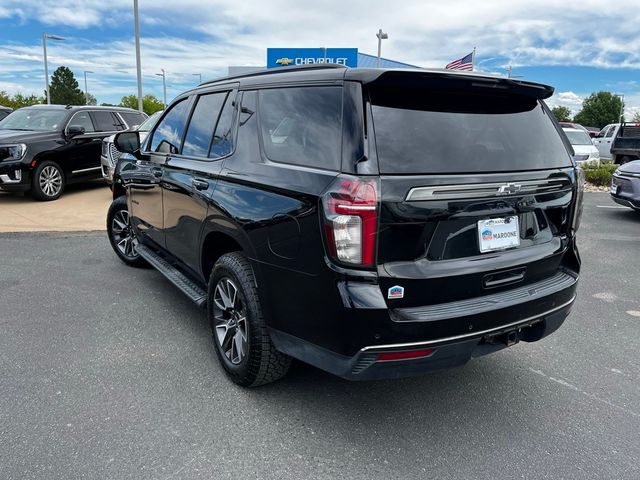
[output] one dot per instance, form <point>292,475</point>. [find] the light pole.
<point>621,96</point>
<point>381,36</point>
<point>136,28</point>
<point>46,67</point>
<point>164,85</point>
<point>86,92</point>
<point>199,75</point>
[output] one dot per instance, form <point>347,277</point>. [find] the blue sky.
<point>578,48</point>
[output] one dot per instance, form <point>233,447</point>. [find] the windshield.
<point>34,120</point>
<point>421,130</point>
<point>578,138</point>
<point>148,124</point>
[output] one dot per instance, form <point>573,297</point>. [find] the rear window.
<point>578,138</point>
<point>302,126</point>
<point>133,118</point>
<point>431,131</point>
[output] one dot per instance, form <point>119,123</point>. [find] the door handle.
<point>199,184</point>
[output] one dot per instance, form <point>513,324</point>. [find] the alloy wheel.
<point>230,320</point>
<point>50,181</point>
<point>122,232</point>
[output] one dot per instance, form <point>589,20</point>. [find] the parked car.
<point>5,111</point>
<point>307,209</point>
<point>593,131</point>
<point>110,154</point>
<point>626,143</point>
<point>45,147</point>
<point>574,125</point>
<point>604,140</point>
<point>625,185</point>
<point>584,150</point>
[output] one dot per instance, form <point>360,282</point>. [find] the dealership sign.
<point>282,57</point>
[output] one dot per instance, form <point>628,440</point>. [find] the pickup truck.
<point>626,144</point>
<point>604,139</point>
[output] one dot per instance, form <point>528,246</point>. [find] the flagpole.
<point>473,60</point>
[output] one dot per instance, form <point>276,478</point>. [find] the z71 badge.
<point>396,292</point>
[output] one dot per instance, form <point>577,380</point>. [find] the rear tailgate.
<point>477,192</point>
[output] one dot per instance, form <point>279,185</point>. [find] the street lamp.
<point>381,36</point>
<point>46,67</point>
<point>621,97</point>
<point>164,85</point>
<point>86,92</point>
<point>136,28</point>
<point>199,75</point>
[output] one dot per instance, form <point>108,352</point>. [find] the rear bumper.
<point>440,353</point>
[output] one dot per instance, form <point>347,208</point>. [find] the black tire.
<point>121,234</point>
<point>48,181</point>
<point>261,362</point>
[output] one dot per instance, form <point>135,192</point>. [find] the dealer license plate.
<point>498,233</point>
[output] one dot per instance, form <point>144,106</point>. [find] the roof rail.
<point>269,71</point>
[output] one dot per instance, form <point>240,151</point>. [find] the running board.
<point>175,276</point>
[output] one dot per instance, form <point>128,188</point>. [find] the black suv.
<point>373,223</point>
<point>44,147</point>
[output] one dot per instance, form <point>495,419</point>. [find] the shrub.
<point>600,175</point>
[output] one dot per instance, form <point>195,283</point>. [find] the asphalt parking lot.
<point>109,372</point>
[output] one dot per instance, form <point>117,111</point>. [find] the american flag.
<point>464,63</point>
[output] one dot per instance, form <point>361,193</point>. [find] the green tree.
<point>563,114</point>
<point>150,104</point>
<point>19,100</point>
<point>91,99</point>
<point>599,109</point>
<point>64,88</point>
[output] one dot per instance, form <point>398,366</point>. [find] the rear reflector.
<point>408,355</point>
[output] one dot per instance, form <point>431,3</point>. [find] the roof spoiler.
<point>456,81</point>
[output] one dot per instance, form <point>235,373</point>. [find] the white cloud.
<point>430,34</point>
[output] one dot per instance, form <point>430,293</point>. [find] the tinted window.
<point>430,131</point>
<point>168,135</point>
<point>611,131</point>
<point>222,140</point>
<point>203,122</point>
<point>302,126</point>
<point>104,121</point>
<point>82,119</point>
<point>3,113</point>
<point>132,118</point>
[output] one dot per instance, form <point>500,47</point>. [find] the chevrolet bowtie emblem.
<point>284,61</point>
<point>509,189</point>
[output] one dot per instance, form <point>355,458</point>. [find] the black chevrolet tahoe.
<point>374,223</point>
<point>44,147</point>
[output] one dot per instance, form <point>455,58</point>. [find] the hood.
<point>631,167</point>
<point>20,136</point>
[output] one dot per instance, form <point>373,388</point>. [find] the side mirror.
<point>75,130</point>
<point>127,142</point>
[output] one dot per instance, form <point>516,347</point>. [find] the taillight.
<point>577,209</point>
<point>351,220</point>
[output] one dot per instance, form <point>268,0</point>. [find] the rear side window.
<point>222,140</point>
<point>202,124</point>
<point>132,118</point>
<point>105,121</point>
<point>429,131</point>
<point>302,126</point>
<point>168,134</point>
